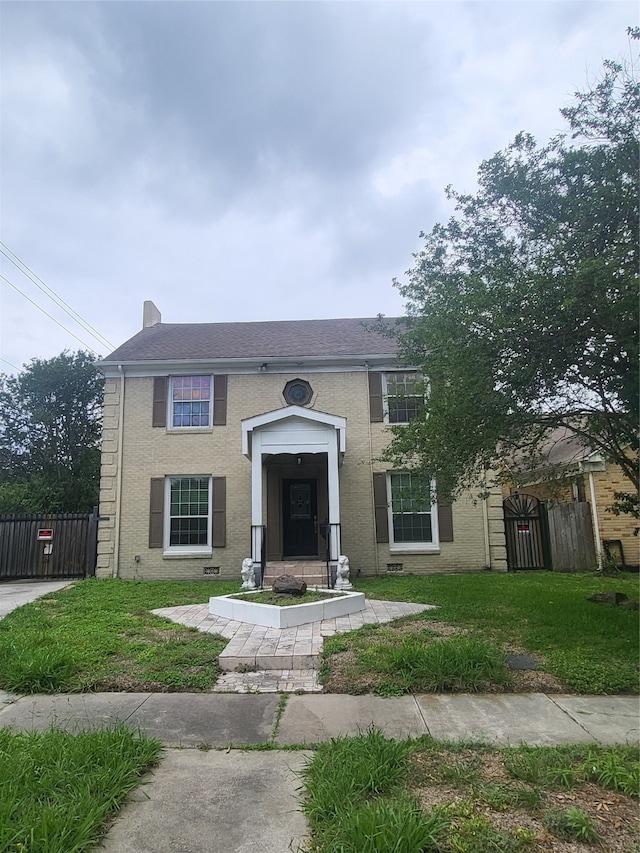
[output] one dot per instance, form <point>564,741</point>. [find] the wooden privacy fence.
<point>48,546</point>
<point>571,537</point>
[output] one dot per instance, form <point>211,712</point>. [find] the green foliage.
<point>478,835</point>
<point>546,766</point>
<point>615,769</point>
<point>612,768</point>
<point>350,770</point>
<point>503,797</point>
<point>592,676</point>
<point>58,790</point>
<point>351,802</point>
<point>40,669</point>
<point>361,794</point>
<point>592,649</point>
<point>462,664</point>
<point>99,634</point>
<point>278,599</point>
<point>522,309</point>
<point>50,435</point>
<point>388,826</point>
<point>571,824</point>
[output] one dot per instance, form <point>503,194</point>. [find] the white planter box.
<point>271,616</point>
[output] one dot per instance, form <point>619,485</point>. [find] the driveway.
<point>16,593</point>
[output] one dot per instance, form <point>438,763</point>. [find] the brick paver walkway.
<point>282,660</point>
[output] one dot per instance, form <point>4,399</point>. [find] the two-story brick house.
<point>228,440</point>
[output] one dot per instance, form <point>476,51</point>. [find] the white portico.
<point>303,450</point>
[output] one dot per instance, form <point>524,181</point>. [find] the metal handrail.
<point>328,555</point>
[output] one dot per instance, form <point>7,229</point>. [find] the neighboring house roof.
<point>260,340</point>
<point>561,452</point>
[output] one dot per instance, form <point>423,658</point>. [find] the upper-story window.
<point>403,395</point>
<point>190,398</point>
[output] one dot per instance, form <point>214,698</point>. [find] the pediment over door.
<point>294,429</point>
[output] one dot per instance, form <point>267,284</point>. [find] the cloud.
<point>238,161</point>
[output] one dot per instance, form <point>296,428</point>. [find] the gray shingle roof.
<point>261,340</point>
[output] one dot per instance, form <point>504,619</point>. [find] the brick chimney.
<point>150,315</point>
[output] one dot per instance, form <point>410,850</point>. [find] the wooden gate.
<point>571,538</point>
<point>61,545</point>
<point>526,533</point>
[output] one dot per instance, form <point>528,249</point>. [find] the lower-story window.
<point>412,509</point>
<point>189,513</point>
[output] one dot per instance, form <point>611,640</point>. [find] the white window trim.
<point>189,429</point>
<point>385,393</point>
<point>432,547</point>
<point>185,550</point>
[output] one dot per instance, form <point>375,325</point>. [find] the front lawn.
<point>586,647</point>
<point>369,794</point>
<point>99,635</point>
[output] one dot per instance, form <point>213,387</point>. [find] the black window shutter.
<point>445,522</point>
<point>380,504</point>
<point>219,512</point>
<point>219,400</point>
<point>160,401</point>
<point>375,398</point>
<point>156,512</point>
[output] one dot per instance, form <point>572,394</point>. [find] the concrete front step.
<point>265,662</point>
<point>260,648</point>
<point>312,572</point>
<point>310,580</point>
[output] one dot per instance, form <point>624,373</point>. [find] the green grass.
<point>99,635</point>
<point>592,648</point>
<point>367,794</point>
<point>57,790</point>
<point>461,664</point>
<point>279,599</point>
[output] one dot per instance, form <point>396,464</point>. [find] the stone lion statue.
<point>342,573</point>
<point>248,574</point>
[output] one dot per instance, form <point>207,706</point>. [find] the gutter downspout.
<point>595,522</point>
<point>116,541</point>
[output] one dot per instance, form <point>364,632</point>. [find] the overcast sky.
<point>256,160</point>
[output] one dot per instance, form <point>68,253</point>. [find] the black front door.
<point>299,518</point>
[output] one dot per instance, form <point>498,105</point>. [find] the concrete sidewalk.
<point>221,720</point>
<point>207,796</point>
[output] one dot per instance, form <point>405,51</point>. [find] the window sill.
<point>188,430</point>
<point>205,553</point>
<point>414,548</point>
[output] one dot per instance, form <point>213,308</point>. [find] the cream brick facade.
<point>134,452</point>
<point>616,527</point>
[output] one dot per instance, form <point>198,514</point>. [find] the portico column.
<point>256,498</point>
<point>334,500</point>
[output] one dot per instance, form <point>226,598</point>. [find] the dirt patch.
<point>342,674</point>
<point>615,816</point>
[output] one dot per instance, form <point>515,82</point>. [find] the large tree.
<point>50,431</point>
<point>522,310</point>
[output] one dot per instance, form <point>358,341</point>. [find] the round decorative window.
<point>298,392</point>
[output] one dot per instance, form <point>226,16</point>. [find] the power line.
<point>53,296</point>
<point>11,364</point>
<point>40,308</point>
